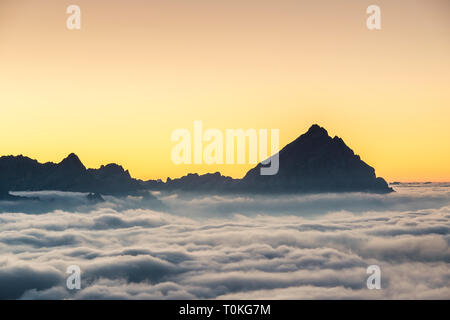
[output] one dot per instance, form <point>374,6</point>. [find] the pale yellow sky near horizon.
<point>137,70</point>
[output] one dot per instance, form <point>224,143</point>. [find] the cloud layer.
<point>210,247</point>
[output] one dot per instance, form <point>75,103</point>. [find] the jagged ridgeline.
<point>19,173</point>
<point>314,162</point>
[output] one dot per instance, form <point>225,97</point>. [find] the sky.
<point>115,90</point>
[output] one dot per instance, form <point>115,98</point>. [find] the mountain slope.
<point>315,162</point>
<point>19,173</point>
<point>312,163</point>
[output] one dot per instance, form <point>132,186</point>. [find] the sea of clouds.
<point>191,246</point>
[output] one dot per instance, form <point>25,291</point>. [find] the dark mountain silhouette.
<point>195,182</point>
<point>312,163</point>
<point>19,173</point>
<point>315,162</point>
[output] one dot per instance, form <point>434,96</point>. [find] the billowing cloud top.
<point>226,247</point>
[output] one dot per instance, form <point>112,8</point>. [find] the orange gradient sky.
<point>137,70</point>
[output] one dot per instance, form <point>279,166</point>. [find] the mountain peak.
<point>72,161</point>
<point>315,162</point>
<point>316,130</point>
<point>21,173</point>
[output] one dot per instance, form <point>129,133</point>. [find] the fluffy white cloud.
<point>198,246</point>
